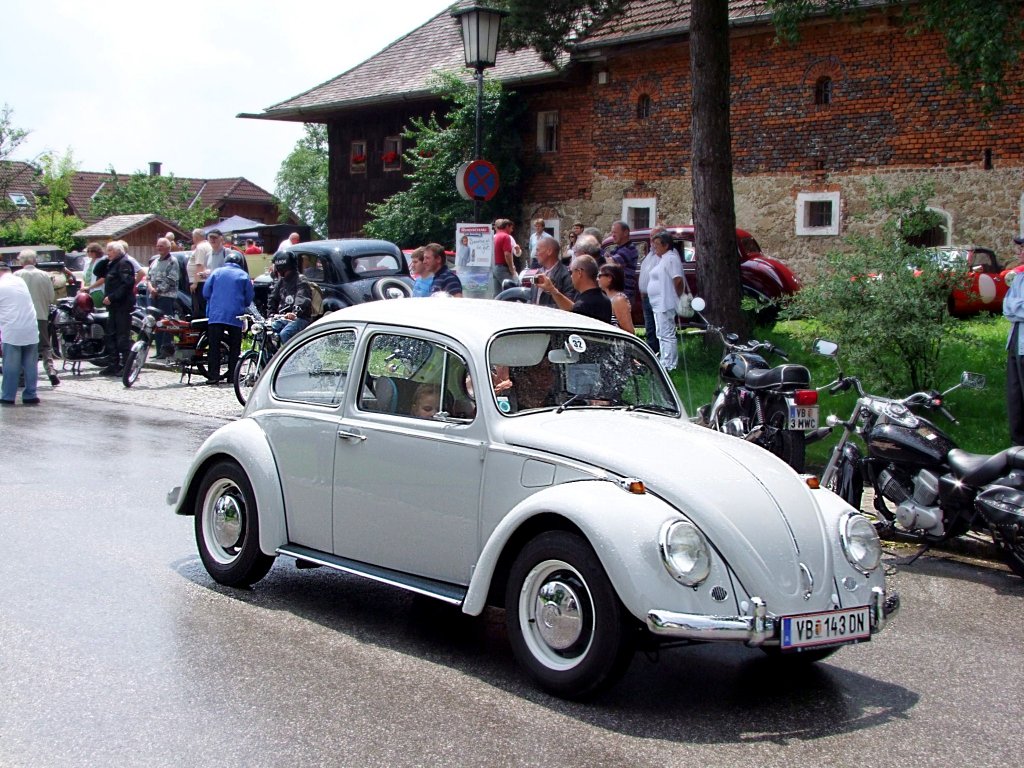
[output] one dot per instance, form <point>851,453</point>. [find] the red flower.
<point>426,153</point>
<point>390,158</point>
<point>358,158</point>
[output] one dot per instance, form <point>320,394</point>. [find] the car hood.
<point>753,508</point>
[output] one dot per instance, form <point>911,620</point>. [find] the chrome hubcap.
<point>227,521</point>
<point>559,619</point>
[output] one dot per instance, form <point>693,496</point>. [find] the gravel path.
<point>158,386</point>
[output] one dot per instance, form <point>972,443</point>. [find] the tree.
<point>164,196</point>
<point>431,207</point>
<point>51,224</point>
<point>11,138</point>
<point>890,321</point>
<point>301,182</point>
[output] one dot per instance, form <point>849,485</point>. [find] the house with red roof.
<point>607,133</point>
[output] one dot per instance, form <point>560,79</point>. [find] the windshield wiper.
<point>653,408</point>
<point>571,401</point>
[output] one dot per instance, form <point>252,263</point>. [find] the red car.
<point>764,278</point>
<point>984,284</point>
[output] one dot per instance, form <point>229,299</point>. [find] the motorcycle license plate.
<point>803,417</point>
<point>826,628</point>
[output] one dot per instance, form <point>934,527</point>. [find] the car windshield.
<point>535,370</point>
<point>949,258</point>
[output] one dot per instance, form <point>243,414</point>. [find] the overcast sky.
<point>123,82</point>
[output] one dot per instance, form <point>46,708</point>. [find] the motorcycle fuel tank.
<point>924,444</point>
<point>734,366</point>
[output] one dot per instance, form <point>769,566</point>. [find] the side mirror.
<point>825,348</point>
<point>698,304</point>
<point>970,380</point>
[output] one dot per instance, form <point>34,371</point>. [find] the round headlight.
<point>860,542</point>
<point>685,552</point>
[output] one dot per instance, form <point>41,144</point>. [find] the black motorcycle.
<point>773,407</point>
<point>925,488</point>
<point>79,331</point>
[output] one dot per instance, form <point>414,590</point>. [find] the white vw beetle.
<point>491,453</point>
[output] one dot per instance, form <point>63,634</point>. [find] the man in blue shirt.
<point>1013,309</point>
<point>435,263</point>
<point>228,292</point>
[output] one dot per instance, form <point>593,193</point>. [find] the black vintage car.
<point>347,272</point>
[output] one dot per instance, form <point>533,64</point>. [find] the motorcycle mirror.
<point>972,380</point>
<point>698,304</point>
<point>825,347</point>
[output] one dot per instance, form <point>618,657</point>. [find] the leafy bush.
<point>885,300</point>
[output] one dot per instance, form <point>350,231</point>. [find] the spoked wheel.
<point>246,372</point>
<point>227,527</point>
<point>848,484</point>
<point>203,355</point>
<point>787,444</point>
<point>566,625</point>
<point>133,364</point>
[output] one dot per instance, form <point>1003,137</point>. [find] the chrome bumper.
<point>756,629</point>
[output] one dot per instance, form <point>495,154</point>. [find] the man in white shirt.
<point>197,269</point>
<point>20,334</point>
<point>664,286</point>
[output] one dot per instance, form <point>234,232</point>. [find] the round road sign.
<point>477,180</point>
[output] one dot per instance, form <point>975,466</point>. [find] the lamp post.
<point>480,26</point>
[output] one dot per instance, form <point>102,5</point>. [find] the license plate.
<point>803,417</point>
<point>826,628</point>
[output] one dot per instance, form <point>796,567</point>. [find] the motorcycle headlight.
<point>684,551</point>
<point>860,542</point>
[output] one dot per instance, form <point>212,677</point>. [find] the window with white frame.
<point>19,200</point>
<point>547,131</point>
<point>392,154</point>
<point>639,212</point>
<point>357,157</point>
<point>817,213</point>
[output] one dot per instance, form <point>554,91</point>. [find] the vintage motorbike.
<point>773,407</point>
<point>926,489</point>
<point>140,349</point>
<point>265,343</point>
<point>78,332</point>
<point>190,348</point>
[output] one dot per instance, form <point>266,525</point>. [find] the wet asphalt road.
<point>117,649</point>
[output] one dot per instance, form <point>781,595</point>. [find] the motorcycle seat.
<point>977,469</point>
<point>100,317</point>
<point>784,377</point>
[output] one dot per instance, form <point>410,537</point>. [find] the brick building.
<point>608,136</point>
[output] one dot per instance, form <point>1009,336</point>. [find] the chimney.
<point>154,169</point>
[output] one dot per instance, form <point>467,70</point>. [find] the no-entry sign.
<point>477,180</point>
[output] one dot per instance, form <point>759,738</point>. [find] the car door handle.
<point>346,435</point>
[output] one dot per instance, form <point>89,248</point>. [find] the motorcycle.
<point>925,488</point>
<point>140,349</point>
<point>78,332</point>
<point>190,348</point>
<point>773,407</point>
<point>265,343</point>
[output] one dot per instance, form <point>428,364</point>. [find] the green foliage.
<point>884,300</point>
<point>983,38</point>
<point>11,138</point>
<point>429,210</point>
<point>51,224</point>
<point>164,196</point>
<point>550,26</point>
<point>301,183</point>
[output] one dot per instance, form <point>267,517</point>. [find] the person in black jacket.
<point>290,297</point>
<point>118,298</point>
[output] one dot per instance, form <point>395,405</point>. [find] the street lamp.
<point>480,27</point>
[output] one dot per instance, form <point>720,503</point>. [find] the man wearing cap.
<point>40,287</point>
<point>1013,309</point>
<point>20,334</point>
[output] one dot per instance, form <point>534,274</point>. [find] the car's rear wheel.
<point>566,625</point>
<point>228,528</point>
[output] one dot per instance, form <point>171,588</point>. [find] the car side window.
<point>317,371</point>
<point>312,268</point>
<point>416,378</point>
<point>984,260</point>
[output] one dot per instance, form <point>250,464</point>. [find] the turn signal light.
<point>806,397</point>
<point>812,482</point>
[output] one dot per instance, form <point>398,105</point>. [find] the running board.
<point>441,590</point>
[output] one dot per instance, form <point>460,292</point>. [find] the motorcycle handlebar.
<point>948,415</point>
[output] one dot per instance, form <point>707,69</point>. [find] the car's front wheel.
<point>228,528</point>
<point>566,625</point>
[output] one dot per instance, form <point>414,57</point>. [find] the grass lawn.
<point>982,414</point>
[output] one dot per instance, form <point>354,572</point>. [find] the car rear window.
<point>375,262</point>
